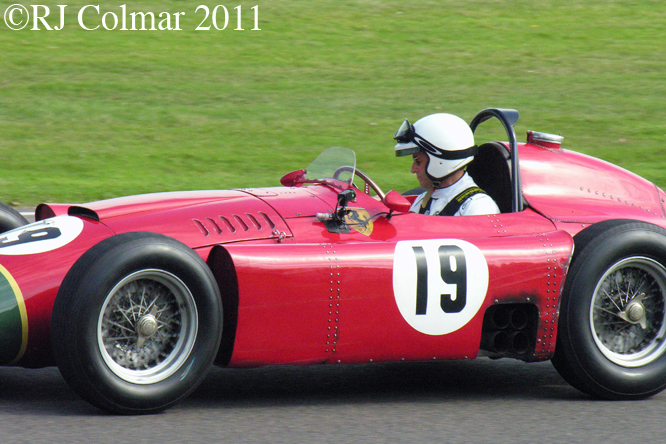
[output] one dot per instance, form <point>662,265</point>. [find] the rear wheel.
<point>627,312</point>
<point>611,339</point>
<point>136,323</point>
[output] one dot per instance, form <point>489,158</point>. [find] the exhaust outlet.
<point>519,318</point>
<point>501,318</point>
<point>501,342</point>
<point>509,330</point>
<point>520,343</point>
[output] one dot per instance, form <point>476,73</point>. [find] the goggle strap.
<point>446,155</point>
<point>406,133</point>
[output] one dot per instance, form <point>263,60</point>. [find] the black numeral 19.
<point>453,271</point>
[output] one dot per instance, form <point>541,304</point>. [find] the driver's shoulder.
<point>478,204</point>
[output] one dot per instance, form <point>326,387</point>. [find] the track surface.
<point>479,401</point>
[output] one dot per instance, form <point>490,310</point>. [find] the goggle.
<point>406,133</point>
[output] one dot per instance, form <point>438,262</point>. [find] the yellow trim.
<point>24,315</point>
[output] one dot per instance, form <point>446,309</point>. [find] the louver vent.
<point>228,224</point>
<point>234,225</point>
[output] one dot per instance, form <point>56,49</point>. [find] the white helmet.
<point>446,139</point>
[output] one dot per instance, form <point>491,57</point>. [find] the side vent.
<point>216,227</point>
<point>268,220</point>
<point>254,221</point>
<point>228,224</point>
<point>201,227</point>
<point>241,222</point>
<point>234,227</point>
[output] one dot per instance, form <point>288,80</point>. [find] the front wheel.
<point>612,333</point>
<point>136,323</point>
<point>10,218</point>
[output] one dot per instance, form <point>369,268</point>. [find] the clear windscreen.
<point>335,163</point>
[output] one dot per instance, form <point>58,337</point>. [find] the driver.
<point>441,146</point>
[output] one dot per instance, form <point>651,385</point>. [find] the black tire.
<point>612,324</point>
<point>142,349</point>
<point>10,218</point>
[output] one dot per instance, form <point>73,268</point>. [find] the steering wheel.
<point>369,183</point>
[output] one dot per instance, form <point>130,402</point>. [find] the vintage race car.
<point>135,298</point>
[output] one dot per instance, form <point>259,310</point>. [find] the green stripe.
<point>469,192</point>
<point>11,324</point>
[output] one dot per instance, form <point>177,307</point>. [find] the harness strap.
<point>427,200</point>
<point>452,207</point>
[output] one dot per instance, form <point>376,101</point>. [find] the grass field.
<point>86,115</point>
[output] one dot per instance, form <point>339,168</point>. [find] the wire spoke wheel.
<point>627,315</point>
<point>147,326</point>
<point>137,323</point>
<point>612,326</point>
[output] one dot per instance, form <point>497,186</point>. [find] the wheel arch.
<point>583,366</point>
<point>585,236</point>
<point>222,265</point>
<point>587,240</point>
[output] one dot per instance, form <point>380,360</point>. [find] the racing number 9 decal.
<point>41,236</point>
<point>439,285</point>
<point>454,271</point>
<point>41,233</point>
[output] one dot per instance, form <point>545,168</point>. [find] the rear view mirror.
<point>294,178</point>
<point>397,202</point>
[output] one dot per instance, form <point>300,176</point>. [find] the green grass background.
<point>87,115</point>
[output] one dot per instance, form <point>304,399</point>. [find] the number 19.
<point>453,270</point>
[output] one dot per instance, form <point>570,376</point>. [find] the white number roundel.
<point>439,284</point>
<point>42,236</point>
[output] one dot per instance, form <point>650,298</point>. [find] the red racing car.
<point>135,298</point>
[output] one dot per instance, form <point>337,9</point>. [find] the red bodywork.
<point>296,293</point>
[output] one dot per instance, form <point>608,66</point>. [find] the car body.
<point>135,298</point>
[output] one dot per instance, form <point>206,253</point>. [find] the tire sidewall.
<point>106,389</point>
<point>10,218</point>
<point>610,378</point>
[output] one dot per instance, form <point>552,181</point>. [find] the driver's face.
<point>419,167</point>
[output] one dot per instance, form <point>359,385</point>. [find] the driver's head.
<point>446,141</point>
